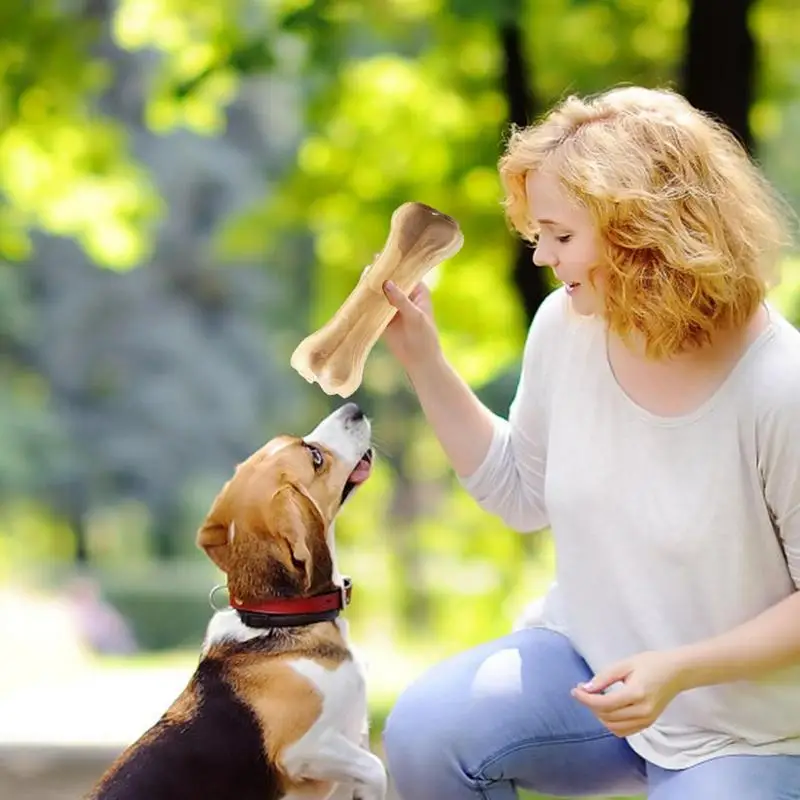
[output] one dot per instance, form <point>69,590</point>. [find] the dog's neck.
<point>330,537</point>
<point>228,624</point>
<point>256,576</point>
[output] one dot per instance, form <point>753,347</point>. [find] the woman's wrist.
<point>426,369</point>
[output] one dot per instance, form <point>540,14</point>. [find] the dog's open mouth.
<point>361,472</point>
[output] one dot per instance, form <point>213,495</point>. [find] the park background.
<point>191,187</point>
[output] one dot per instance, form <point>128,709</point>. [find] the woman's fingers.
<point>402,303</point>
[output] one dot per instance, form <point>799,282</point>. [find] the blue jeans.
<point>500,716</point>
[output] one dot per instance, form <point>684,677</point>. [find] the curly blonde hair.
<point>691,230</point>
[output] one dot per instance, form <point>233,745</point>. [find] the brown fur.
<point>182,710</point>
<point>266,530</point>
<point>279,509</point>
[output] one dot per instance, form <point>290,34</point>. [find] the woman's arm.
<point>764,644</point>
<point>462,424</point>
<point>500,462</point>
<point>651,680</point>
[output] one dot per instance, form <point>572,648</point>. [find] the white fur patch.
<point>333,748</point>
<point>225,625</point>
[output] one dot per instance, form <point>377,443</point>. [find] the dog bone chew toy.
<point>419,238</point>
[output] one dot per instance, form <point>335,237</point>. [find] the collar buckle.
<point>346,592</point>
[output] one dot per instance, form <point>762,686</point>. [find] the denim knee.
<point>420,741</point>
<point>410,742</point>
<point>500,714</point>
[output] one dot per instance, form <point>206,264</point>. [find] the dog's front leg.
<point>346,791</point>
<point>365,738</point>
<point>333,757</point>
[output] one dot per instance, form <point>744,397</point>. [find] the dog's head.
<point>267,527</point>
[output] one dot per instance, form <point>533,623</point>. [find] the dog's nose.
<point>352,412</point>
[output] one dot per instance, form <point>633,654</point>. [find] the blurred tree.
<point>63,168</point>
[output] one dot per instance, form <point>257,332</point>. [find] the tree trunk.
<point>720,63</point>
<point>530,281</point>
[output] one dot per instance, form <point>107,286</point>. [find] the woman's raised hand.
<point>411,336</point>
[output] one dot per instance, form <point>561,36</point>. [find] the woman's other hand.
<point>646,684</point>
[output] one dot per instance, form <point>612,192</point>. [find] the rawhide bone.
<point>419,238</point>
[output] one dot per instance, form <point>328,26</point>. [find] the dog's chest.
<point>343,692</point>
<point>343,719</point>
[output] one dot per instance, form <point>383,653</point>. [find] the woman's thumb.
<point>397,298</point>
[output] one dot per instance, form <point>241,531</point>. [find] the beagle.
<point>277,705</point>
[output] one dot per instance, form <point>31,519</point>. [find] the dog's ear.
<point>214,534</point>
<point>296,518</point>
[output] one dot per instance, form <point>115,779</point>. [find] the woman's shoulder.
<point>774,371</point>
<point>555,330</point>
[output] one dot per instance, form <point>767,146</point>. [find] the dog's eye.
<point>317,459</point>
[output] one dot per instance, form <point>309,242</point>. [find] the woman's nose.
<point>542,257</point>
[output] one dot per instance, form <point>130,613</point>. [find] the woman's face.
<point>568,240</point>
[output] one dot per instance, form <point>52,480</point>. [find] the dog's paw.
<point>344,793</point>
<point>369,793</point>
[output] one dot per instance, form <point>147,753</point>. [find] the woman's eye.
<point>565,238</point>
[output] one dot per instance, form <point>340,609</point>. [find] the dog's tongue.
<point>361,472</point>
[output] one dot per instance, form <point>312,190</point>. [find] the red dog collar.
<point>295,611</point>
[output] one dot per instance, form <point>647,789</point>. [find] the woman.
<point>656,432</point>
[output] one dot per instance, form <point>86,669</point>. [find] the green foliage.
<point>588,46</point>
<point>396,127</point>
<point>775,114</point>
<point>427,122</point>
<point>501,11</point>
<point>204,48</point>
<point>161,618</point>
<point>786,296</point>
<point>63,168</point>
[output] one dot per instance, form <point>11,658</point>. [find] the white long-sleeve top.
<point>668,530</point>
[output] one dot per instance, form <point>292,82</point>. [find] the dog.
<point>276,708</point>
